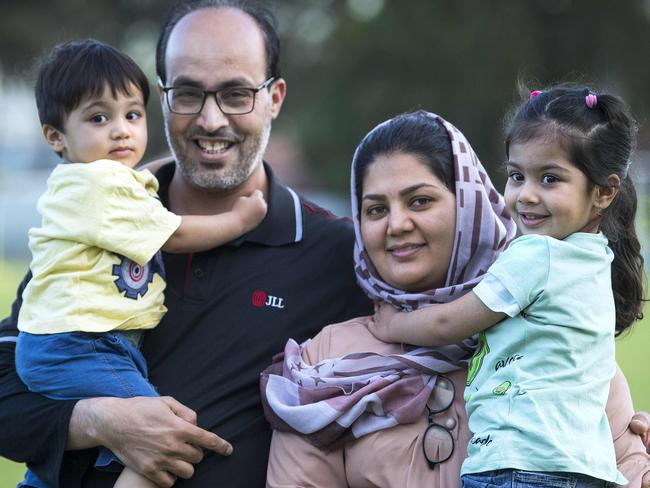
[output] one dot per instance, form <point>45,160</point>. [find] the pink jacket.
<point>393,457</point>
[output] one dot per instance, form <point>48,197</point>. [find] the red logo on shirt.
<point>262,299</point>
<point>259,298</point>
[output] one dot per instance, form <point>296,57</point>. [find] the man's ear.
<point>54,138</point>
<point>161,91</point>
<point>605,194</point>
<point>278,92</point>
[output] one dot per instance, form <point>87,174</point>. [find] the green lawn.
<point>631,353</point>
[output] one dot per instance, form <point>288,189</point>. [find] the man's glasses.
<point>189,100</point>
<point>437,441</point>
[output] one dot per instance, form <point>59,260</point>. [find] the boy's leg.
<point>83,365</point>
<point>31,480</point>
<point>131,479</point>
<point>80,365</point>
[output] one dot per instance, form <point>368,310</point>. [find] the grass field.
<point>631,352</point>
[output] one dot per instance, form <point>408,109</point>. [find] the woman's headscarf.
<point>345,398</point>
<point>483,229</point>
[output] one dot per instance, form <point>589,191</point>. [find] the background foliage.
<point>350,64</point>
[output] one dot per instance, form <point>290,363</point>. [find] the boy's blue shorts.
<point>77,365</point>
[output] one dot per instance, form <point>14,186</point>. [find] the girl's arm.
<point>437,325</point>
<point>202,232</point>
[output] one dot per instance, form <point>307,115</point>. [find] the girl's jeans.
<point>512,478</point>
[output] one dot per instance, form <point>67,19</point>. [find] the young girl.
<point>546,314</point>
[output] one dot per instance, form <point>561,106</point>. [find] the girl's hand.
<point>383,322</point>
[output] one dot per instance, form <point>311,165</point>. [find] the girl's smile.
<point>546,193</point>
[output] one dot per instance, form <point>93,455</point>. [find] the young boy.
<point>97,274</point>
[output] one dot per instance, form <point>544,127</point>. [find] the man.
<point>230,309</point>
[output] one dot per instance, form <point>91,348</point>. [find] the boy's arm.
<point>437,325</point>
<point>198,233</point>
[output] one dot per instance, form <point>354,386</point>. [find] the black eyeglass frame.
<point>265,84</point>
<point>435,425</point>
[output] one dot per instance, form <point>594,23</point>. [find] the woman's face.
<point>408,222</point>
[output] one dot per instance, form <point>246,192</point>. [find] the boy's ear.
<point>54,138</point>
<point>605,194</point>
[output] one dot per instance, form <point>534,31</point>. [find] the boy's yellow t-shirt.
<point>93,257</point>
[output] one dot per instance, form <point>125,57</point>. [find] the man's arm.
<point>631,458</point>
<point>160,440</point>
<point>157,441</point>
<point>34,428</point>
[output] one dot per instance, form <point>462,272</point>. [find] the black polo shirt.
<point>230,310</point>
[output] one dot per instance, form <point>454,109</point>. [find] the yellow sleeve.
<point>104,204</point>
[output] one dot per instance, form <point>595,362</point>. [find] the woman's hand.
<point>154,436</point>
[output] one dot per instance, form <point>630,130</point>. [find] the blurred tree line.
<point>350,64</point>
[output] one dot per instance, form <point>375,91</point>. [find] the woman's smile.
<point>404,250</point>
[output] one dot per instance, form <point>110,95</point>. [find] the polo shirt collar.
<point>283,223</point>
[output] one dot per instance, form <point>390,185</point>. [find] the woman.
<point>428,223</point>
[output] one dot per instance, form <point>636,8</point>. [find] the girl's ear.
<point>605,194</point>
<point>54,138</point>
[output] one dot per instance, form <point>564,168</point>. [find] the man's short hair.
<point>76,70</point>
<point>260,13</point>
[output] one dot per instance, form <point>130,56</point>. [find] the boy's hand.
<point>251,209</point>
<point>383,323</point>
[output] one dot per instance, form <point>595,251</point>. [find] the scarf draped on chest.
<point>340,399</point>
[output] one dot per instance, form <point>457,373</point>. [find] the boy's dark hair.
<point>258,11</point>
<point>79,69</point>
<point>599,137</point>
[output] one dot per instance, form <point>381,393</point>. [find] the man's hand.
<point>640,424</point>
<point>156,437</point>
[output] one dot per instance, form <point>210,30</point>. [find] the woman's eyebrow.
<point>416,187</point>
<point>405,191</point>
<point>374,197</point>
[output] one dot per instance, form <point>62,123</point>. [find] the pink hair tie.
<point>534,93</point>
<point>591,100</point>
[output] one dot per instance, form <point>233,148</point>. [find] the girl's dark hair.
<point>416,133</point>
<point>76,70</point>
<point>256,9</point>
<point>599,141</point>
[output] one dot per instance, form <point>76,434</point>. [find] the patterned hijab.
<point>341,399</point>
<point>483,229</point>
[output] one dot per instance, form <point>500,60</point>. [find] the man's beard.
<point>226,178</point>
